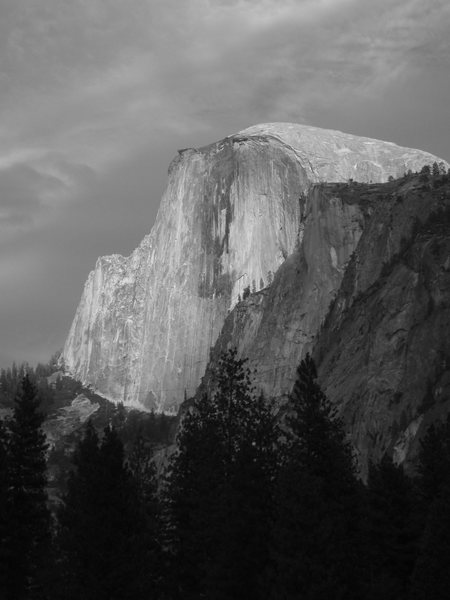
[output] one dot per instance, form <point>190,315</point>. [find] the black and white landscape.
<point>251,397</point>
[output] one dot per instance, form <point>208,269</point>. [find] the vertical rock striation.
<point>275,327</point>
<point>367,291</point>
<point>384,350</point>
<point>231,215</point>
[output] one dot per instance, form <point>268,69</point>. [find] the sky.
<point>96,96</point>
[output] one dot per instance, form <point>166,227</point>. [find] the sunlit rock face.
<point>275,327</point>
<point>231,215</point>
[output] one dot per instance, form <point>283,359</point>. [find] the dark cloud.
<point>97,96</point>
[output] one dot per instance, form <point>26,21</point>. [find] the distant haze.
<point>96,97</point>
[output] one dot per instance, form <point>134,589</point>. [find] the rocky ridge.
<point>384,350</point>
<point>233,212</point>
<point>373,306</point>
<point>275,327</point>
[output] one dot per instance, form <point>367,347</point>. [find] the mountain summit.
<point>232,213</point>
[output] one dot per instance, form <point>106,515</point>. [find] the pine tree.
<point>103,537</point>
<point>220,489</point>
<point>316,533</point>
<point>431,576</point>
<point>125,568</point>
<point>3,383</point>
<point>144,478</point>
<point>78,521</point>
<point>391,533</point>
<point>425,173</point>
<point>192,481</point>
<point>143,471</point>
<point>4,518</point>
<point>433,468</point>
<point>28,539</point>
<point>248,433</point>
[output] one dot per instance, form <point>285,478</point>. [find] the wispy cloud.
<point>96,96</point>
<point>93,81</point>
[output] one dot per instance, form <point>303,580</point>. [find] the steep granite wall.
<point>367,291</point>
<point>232,212</point>
<point>384,351</point>
<point>275,327</point>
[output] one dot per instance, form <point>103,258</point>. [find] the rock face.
<point>381,255</point>
<point>275,327</point>
<point>384,350</point>
<point>69,419</point>
<point>233,212</point>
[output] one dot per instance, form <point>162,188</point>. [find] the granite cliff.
<point>277,325</point>
<point>384,349</point>
<point>368,293</point>
<point>232,214</point>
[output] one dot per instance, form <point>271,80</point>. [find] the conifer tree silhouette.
<point>28,540</point>
<point>316,533</point>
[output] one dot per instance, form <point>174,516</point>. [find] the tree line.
<point>253,503</point>
<point>12,377</point>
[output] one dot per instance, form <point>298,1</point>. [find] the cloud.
<point>112,75</point>
<point>97,96</point>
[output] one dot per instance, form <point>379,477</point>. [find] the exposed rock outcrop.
<point>275,327</point>
<point>381,255</point>
<point>69,419</point>
<point>384,351</point>
<point>231,215</point>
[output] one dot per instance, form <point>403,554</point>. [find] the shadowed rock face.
<point>384,351</point>
<point>275,327</point>
<point>381,254</point>
<point>232,213</point>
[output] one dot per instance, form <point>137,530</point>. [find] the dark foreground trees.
<point>431,576</point>
<point>3,504</point>
<point>408,533</point>
<point>258,511</point>
<point>255,507</point>
<point>25,526</point>
<point>391,531</point>
<point>220,491</point>
<point>316,533</point>
<point>107,549</point>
